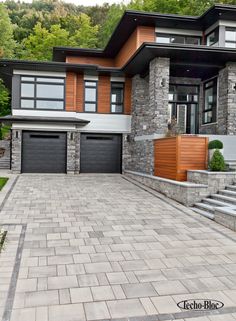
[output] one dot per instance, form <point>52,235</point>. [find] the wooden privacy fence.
<point>173,156</point>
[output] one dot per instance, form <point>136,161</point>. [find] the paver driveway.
<point>98,247</point>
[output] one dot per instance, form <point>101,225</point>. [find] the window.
<point>170,38</point>
<point>210,101</point>
<point>42,93</point>
<point>213,38</point>
<point>230,37</point>
<point>90,96</point>
<point>117,97</point>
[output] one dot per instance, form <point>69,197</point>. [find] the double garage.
<point>46,152</point>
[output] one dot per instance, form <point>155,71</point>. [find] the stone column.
<point>159,74</point>
<point>73,152</point>
<point>231,121</point>
<point>16,151</point>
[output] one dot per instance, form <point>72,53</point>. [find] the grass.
<point>3,181</point>
<point>5,131</point>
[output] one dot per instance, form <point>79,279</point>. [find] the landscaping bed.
<point>3,181</point>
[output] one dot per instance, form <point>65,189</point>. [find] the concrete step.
<point>205,207</point>
<point>224,198</point>
<point>231,187</point>
<point>228,193</point>
<point>214,202</point>
<point>203,213</point>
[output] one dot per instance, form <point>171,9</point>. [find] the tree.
<point>4,100</point>
<point>7,43</point>
<point>39,45</point>
<point>217,163</point>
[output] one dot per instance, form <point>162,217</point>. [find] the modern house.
<point>99,110</point>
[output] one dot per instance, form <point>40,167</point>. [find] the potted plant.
<point>213,146</point>
<point>217,162</point>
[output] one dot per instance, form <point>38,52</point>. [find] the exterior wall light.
<point>163,82</point>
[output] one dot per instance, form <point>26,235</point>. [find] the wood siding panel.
<point>71,82</point>
<point>175,155</point>
<point>104,62</point>
<point>146,34</point>
<point>127,96</point>
<point>127,50</point>
<point>104,94</point>
<point>80,94</point>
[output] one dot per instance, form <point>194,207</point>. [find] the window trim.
<point>123,98</point>
<point>160,34</point>
<point>89,101</point>
<point>35,98</point>
<point>212,31</point>
<point>213,109</point>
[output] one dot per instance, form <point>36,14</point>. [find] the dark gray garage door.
<point>44,152</point>
<point>100,153</point>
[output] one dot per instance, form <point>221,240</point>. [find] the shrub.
<point>217,163</point>
<point>215,144</point>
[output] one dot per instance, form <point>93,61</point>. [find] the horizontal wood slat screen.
<point>173,156</point>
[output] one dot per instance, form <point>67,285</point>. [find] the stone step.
<point>231,187</point>
<point>205,207</point>
<point>228,193</point>
<point>214,202</point>
<point>224,198</point>
<point>203,213</point>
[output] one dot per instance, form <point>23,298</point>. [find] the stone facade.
<point>73,152</point>
<point>16,151</point>
<point>149,115</point>
<point>226,216</point>
<point>5,158</point>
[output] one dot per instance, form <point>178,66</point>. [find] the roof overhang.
<point>34,119</point>
<point>131,19</point>
<point>185,60</point>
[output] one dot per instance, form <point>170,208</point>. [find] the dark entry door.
<point>100,153</point>
<point>43,152</point>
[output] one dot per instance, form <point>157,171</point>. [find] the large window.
<point>42,93</point>
<point>117,97</point>
<point>170,38</point>
<point>90,96</point>
<point>210,102</point>
<point>230,37</point>
<point>212,39</point>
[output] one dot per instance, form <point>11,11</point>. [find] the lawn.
<point>3,181</point>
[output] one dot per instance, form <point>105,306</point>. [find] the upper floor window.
<point>170,38</point>
<point>212,39</point>
<point>42,93</point>
<point>117,97</point>
<point>90,96</point>
<point>230,37</point>
<point>210,103</point>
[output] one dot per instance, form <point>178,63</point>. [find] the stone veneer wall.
<point>73,152</point>
<point>16,151</point>
<point>149,116</point>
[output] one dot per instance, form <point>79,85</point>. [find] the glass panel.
<point>27,90</point>
<point>192,41</point>
<point>213,38</point>
<point>27,78</point>
<point>54,80</point>
<point>208,98</point>
<point>117,96</point>
<point>207,117</point>
<point>171,97</point>
<point>90,107</point>
<point>177,39</point>
<point>26,103</point>
<point>90,94</point>
<point>50,91</point>
<point>192,119</point>
<point>163,39</point>
<point>230,34</point>
<point>230,44</point>
<point>116,108</point>
<point>90,84</point>
<point>47,104</point>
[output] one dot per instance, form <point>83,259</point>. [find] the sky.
<point>87,2</point>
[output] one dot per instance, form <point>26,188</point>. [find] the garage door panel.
<point>43,152</point>
<point>100,153</point>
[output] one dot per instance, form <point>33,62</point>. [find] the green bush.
<point>217,163</point>
<point>215,144</point>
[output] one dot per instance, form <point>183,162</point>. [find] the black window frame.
<point>90,101</point>
<point>169,35</point>
<point>230,41</point>
<point>35,98</point>
<point>113,83</point>
<point>213,108</point>
<point>217,31</point>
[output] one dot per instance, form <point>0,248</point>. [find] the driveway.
<point>98,247</point>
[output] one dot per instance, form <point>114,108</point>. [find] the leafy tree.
<point>7,42</point>
<point>4,100</point>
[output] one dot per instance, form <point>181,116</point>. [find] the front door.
<point>183,106</point>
